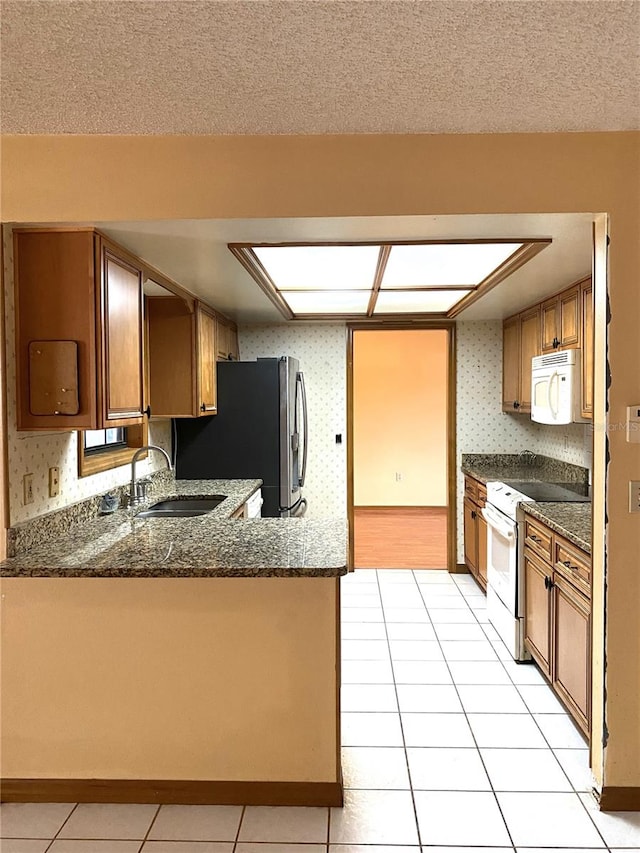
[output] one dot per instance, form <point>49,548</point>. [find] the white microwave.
<point>555,388</point>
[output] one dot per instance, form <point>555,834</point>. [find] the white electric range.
<point>505,538</point>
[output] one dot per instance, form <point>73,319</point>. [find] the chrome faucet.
<point>136,493</point>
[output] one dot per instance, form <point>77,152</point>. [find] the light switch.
<point>633,424</point>
<point>634,495</point>
<point>54,482</point>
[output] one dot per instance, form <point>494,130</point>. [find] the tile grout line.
<point>464,711</point>
<point>153,820</point>
<point>395,688</point>
<point>62,825</point>
<point>237,838</point>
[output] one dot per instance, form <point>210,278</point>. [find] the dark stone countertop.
<point>571,520</point>
<point>211,545</point>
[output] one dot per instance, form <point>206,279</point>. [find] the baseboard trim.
<point>620,799</point>
<point>183,792</point>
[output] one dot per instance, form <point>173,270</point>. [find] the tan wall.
<point>70,178</point>
<point>400,418</point>
<point>169,679</point>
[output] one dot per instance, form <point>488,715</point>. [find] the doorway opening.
<point>401,413</point>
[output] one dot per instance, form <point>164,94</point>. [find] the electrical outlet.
<point>398,476</point>
<point>27,488</point>
<point>634,495</point>
<point>54,482</point>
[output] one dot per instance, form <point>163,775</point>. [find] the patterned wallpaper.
<point>36,452</point>
<point>321,351</point>
<point>481,425</point>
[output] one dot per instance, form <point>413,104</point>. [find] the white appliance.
<point>505,604</point>
<point>555,388</point>
<point>505,540</point>
<point>253,506</point>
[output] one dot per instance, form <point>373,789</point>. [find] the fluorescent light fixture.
<point>417,301</point>
<point>327,302</point>
<point>444,264</point>
<point>320,267</point>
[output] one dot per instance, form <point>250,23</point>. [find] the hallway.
<point>446,743</point>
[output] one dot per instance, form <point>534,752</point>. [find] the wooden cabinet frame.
<point>475,530</point>
<point>558,627</point>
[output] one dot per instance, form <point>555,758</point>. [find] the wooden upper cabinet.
<point>561,321</point>
<point>511,364</point>
<point>122,335</point>
<point>182,357</point>
<point>206,347</point>
<point>586,388</point>
<point>521,342</point>
<point>172,357</point>
<point>226,340</point>
<point>529,347</point>
<point>79,331</point>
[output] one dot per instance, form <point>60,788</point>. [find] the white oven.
<point>504,587</point>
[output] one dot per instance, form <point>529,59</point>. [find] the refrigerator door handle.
<point>305,419</point>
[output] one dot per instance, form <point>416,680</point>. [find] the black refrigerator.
<point>260,431</point>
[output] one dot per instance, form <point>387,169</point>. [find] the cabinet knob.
<point>147,411</point>
<point>203,408</point>
<point>473,513</point>
<point>516,405</point>
<point>548,583</point>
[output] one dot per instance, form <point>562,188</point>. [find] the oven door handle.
<point>504,528</point>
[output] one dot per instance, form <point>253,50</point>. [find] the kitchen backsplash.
<point>36,452</point>
<point>321,350</point>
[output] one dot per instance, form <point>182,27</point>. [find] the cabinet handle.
<point>147,411</point>
<point>535,539</point>
<point>203,408</point>
<point>548,583</point>
<point>473,513</point>
<point>516,405</point>
<point>567,563</point>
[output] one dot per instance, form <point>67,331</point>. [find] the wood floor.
<point>400,537</point>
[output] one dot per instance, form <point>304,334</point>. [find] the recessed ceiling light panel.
<point>327,302</point>
<point>320,267</point>
<point>417,301</point>
<point>444,264</point>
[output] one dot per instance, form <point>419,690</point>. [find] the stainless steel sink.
<point>182,507</point>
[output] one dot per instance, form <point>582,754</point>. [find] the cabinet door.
<point>482,549</point>
<point>569,306</point>
<point>511,364</point>
<point>586,388</point>
<point>206,324</point>
<point>529,347</point>
<point>222,339</point>
<point>572,650</point>
<point>172,357</point>
<point>122,341</point>
<point>549,321</point>
<point>234,349</point>
<point>471,536</point>
<point>537,623</point>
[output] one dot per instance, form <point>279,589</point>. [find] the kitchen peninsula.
<point>188,660</point>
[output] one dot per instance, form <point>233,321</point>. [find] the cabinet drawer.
<point>482,495</point>
<point>538,538</point>
<point>573,564</point>
<point>471,489</point>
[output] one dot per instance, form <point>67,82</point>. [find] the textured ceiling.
<point>320,66</point>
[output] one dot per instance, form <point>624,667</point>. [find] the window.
<point>99,440</point>
<point>104,449</point>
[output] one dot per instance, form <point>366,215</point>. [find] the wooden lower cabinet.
<point>558,622</point>
<point>475,531</point>
<point>537,633</point>
<point>572,649</point>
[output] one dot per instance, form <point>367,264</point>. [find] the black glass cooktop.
<point>549,492</point>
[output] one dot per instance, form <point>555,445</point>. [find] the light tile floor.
<point>447,743</point>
